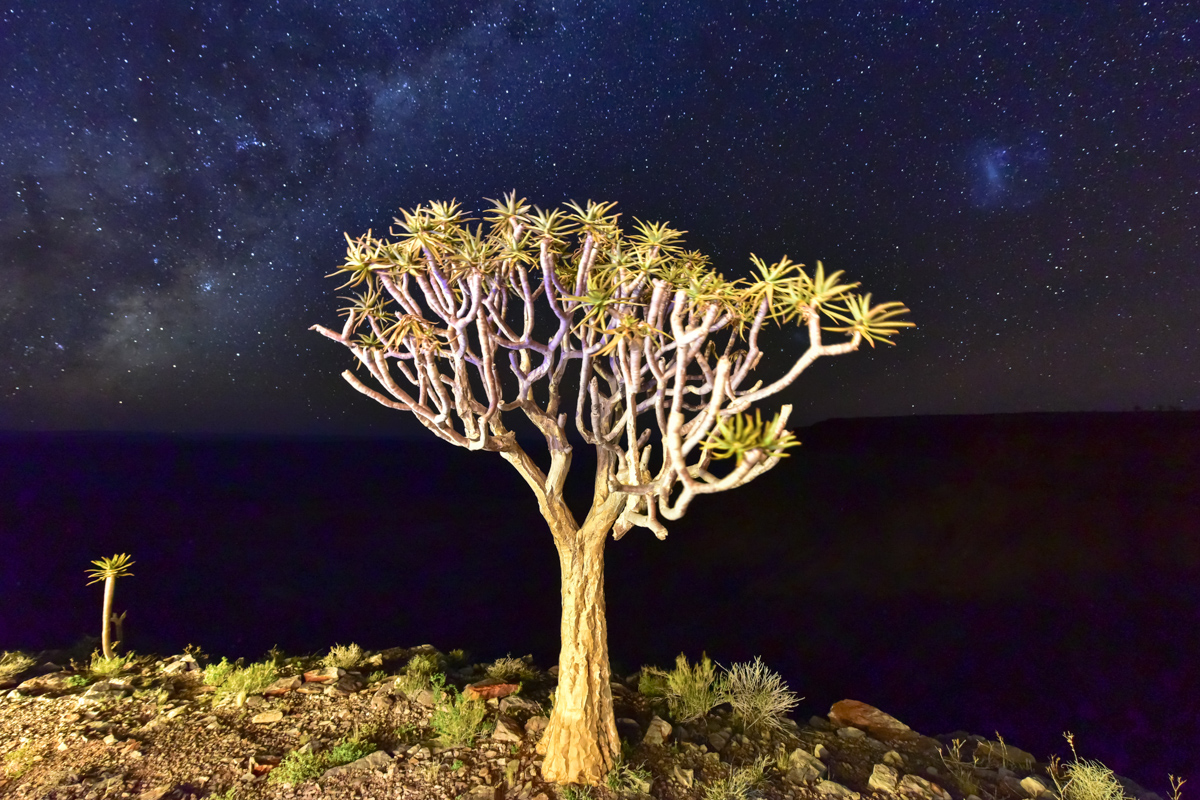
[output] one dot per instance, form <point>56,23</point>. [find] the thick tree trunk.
<point>580,744</point>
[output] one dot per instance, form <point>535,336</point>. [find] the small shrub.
<point>740,783</point>
<point>347,657</point>
<point>422,664</point>
<point>13,664</point>
<point>759,697</point>
<point>348,751</point>
<point>457,656</point>
<point>77,680</point>
<point>251,680</point>
<point>1086,780</point>
<point>577,793</point>
<point>109,666</point>
<point>297,767</point>
<point>231,680</point>
<point>693,691</point>
<point>962,772</point>
<point>510,669</point>
<point>455,717</point>
<point>623,778</point>
<point>417,674</point>
<point>377,676</point>
<point>652,682</point>
<point>216,674</point>
<point>18,761</point>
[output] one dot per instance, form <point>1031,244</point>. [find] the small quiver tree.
<point>446,321</point>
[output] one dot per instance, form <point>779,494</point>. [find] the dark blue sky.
<point>174,183</point>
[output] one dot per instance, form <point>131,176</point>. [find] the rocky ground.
<point>157,731</point>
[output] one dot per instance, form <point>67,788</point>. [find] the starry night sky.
<point>175,180</point>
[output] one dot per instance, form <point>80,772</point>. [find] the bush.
<point>251,680</point>
<point>230,680</point>
<point>510,669</point>
<point>455,717</point>
<point>13,664</point>
<point>417,674</point>
<point>652,682</point>
<point>740,783</point>
<point>298,767</point>
<point>216,674</point>
<point>109,666</point>
<point>759,697</point>
<point>1086,780</point>
<point>693,691</point>
<point>347,657</point>
<point>350,750</point>
<point>623,778</point>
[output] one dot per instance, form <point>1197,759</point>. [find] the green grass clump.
<point>456,718</point>
<point>740,783</point>
<point>297,767</point>
<point>231,680</point>
<point>347,657</point>
<point>350,750</point>
<point>417,674</point>
<point>623,778</point>
<point>652,682</point>
<point>13,664</point>
<point>759,697</point>
<point>692,691</point>
<point>18,760</point>
<point>216,674</point>
<point>1085,780</point>
<point>511,669</point>
<point>109,666</point>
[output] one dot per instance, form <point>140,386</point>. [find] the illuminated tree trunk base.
<point>580,744</point>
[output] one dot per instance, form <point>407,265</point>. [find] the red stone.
<point>854,714</point>
<point>488,688</point>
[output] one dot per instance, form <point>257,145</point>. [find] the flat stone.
<point>1034,787</point>
<point>324,675</point>
<point>283,686</point>
<point>884,779</point>
<point>833,789</point>
<point>804,767</point>
<point>718,739</point>
<point>855,714</point>
<point>376,760</point>
<point>344,686</point>
<point>851,733</point>
<point>267,717</point>
<point>184,663</point>
<point>480,793</point>
<point>157,793</point>
<point>918,787</point>
<point>893,759</point>
<point>507,730</point>
<point>514,703</point>
<point>536,725</point>
<point>657,731</point>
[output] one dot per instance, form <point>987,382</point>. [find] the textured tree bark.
<point>580,744</point>
<point>110,584</point>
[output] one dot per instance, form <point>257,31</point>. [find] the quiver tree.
<point>463,327</point>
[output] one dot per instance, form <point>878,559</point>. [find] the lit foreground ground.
<point>398,724</point>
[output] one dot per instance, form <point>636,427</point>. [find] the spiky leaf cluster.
<point>450,310</point>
